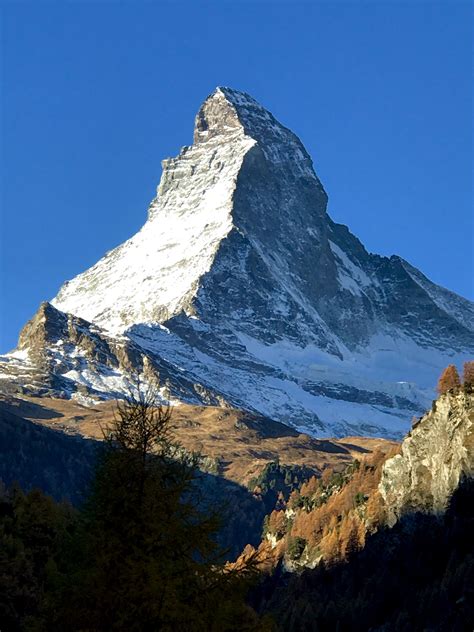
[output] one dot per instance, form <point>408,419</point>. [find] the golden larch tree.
<point>468,374</point>
<point>449,380</point>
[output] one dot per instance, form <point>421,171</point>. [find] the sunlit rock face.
<point>437,453</point>
<point>240,281</point>
<point>61,355</point>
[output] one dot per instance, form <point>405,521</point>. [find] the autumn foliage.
<point>468,375</point>
<point>449,380</point>
<point>276,524</point>
<point>329,517</point>
<point>338,526</point>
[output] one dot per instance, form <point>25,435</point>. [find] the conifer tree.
<point>468,374</point>
<point>148,557</point>
<point>449,380</point>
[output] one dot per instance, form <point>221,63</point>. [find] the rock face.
<point>61,355</point>
<point>240,281</point>
<point>435,456</point>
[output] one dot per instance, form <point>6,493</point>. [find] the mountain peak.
<point>218,115</point>
<point>236,97</point>
<point>234,108</point>
<point>227,113</point>
<point>241,279</point>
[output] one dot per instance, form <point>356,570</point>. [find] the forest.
<point>419,575</point>
<point>147,546</point>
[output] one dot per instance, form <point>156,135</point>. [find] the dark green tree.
<point>296,547</point>
<point>35,533</point>
<point>148,558</point>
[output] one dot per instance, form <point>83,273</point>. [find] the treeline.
<point>142,553</point>
<point>450,380</point>
<point>274,484</point>
<point>419,575</point>
<point>329,516</point>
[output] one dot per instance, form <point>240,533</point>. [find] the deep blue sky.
<point>95,95</point>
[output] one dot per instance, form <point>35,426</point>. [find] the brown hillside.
<point>238,443</point>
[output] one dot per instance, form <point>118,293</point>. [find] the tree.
<point>296,546</point>
<point>468,375</point>
<point>148,558</point>
<point>449,380</point>
<point>350,543</point>
<point>277,523</point>
<point>34,531</point>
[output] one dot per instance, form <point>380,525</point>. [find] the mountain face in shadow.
<point>418,575</point>
<point>62,466</point>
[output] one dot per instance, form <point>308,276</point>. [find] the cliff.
<point>436,454</point>
<point>329,517</point>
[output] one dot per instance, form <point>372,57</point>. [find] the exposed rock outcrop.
<point>437,453</point>
<point>61,355</point>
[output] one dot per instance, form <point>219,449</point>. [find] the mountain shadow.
<point>418,575</point>
<point>62,466</point>
<point>33,456</point>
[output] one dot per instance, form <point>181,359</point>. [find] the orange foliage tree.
<point>468,374</point>
<point>338,525</point>
<point>449,380</point>
<point>277,524</point>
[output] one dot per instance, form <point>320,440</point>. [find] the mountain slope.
<point>240,284</point>
<point>332,513</point>
<point>386,544</point>
<point>233,444</point>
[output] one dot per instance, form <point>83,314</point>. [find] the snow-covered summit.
<point>240,281</point>
<point>194,211</point>
<point>226,109</point>
<point>154,275</point>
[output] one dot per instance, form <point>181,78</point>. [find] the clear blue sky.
<point>96,94</point>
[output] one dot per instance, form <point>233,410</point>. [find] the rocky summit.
<point>240,290</point>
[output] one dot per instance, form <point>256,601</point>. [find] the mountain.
<point>330,514</point>
<point>233,444</point>
<point>34,456</point>
<point>386,544</point>
<point>53,444</point>
<point>239,290</point>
